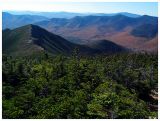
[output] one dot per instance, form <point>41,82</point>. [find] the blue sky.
<point>149,8</point>
<point>143,8</point>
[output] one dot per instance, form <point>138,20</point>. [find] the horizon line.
<point>70,12</point>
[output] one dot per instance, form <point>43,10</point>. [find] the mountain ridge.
<point>129,32</point>
<point>32,39</point>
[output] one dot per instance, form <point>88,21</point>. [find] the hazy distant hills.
<point>14,21</point>
<point>31,39</point>
<point>121,13</point>
<point>69,14</point>
<point>131,31</point>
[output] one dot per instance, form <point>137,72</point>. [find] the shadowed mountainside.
<point>32,39</point>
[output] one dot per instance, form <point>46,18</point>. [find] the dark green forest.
<point>105,87</point>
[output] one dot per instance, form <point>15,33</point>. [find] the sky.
<point>142,8</point>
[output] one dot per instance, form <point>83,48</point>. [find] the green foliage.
<point>114,86</point>
<point>114,101</point>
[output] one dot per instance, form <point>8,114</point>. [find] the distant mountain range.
<point>123,30</point>
<point>134,32</point>
<point>31,39</point>
<point>13,21</point>
<point>69,14</point>
<point>27,17</point>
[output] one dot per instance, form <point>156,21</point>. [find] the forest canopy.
<point>112,86</point>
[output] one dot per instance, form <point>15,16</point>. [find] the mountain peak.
<point>31,38</point>
<point>30,26</point>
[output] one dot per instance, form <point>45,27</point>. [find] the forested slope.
<point>115,86</point>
